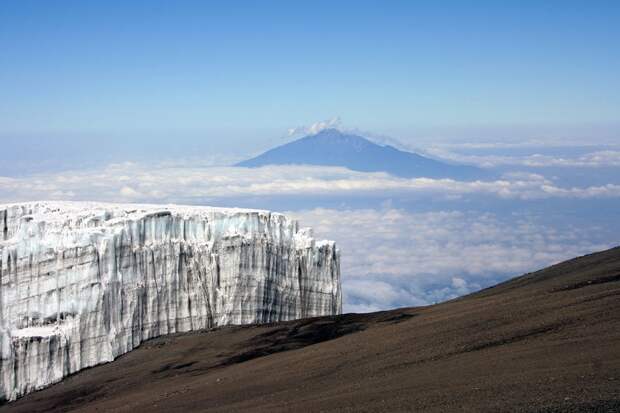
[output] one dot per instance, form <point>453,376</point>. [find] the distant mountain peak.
<point>333,147</point>
<point>329,132</point>
<point>333,136</point>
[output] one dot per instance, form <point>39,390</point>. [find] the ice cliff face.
<point>82,283</point>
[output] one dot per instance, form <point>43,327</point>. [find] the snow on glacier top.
<point>80,206</point>
<point>72,223</point>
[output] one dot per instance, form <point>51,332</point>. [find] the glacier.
<point>82,283</point>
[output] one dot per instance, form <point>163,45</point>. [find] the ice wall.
<point>82,283</point>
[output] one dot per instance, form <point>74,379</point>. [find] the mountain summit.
<point>331,147</point>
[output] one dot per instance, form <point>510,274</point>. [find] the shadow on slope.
<point>299,334</point>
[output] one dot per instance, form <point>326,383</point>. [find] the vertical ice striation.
<point>82,283</point>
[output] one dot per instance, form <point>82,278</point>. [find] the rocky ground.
<point>545,342</point>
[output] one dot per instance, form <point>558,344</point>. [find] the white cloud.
<point>459,283</point>
<point>394,258</point>
<point>129,192</point>
<point>391,257</point>
<point>183,184</point>
<point>315,127</point>
<point>597,159</point>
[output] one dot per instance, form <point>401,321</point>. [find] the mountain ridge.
<point>331,147</point>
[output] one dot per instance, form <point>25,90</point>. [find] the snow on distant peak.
<point>333,123</point>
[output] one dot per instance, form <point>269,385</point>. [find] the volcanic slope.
<point>548,341</point>
<point>331,147</point>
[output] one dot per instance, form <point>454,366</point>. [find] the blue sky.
<point>148,101</point>
<point>223,74</point>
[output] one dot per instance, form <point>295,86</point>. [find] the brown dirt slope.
<point>548,341</point>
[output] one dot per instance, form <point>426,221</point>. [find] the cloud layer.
<point>596,159</point>
<point>394,258</point>
<point>164,182</point>
<point>391,257</point>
